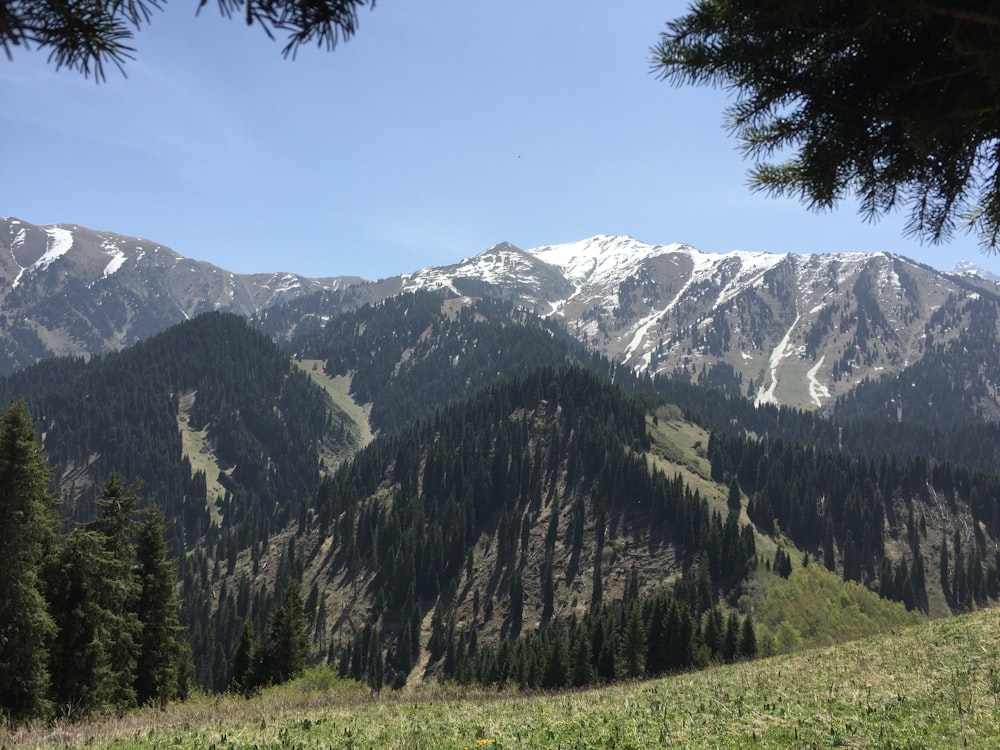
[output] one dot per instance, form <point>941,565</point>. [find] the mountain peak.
<point>969,268</point>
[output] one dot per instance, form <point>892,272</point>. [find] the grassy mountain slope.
<point>930,686</point>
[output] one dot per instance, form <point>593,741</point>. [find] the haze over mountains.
<point>797,330</point>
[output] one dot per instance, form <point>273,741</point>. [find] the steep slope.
<point>416,352</point>
<point>68,290</point>
<point>219,425</point>
<point>797,330</point>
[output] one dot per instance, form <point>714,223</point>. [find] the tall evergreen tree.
<point>241,679</point>
<point>943,568</point>
<point>27,535</point>
<point>516,603</point>
<point>81,651</point>
<point>748,639</point>
<point>285,654</point>
<point>159,649</point>
<point>733,501</point>
<point>119,594</point>
<point>829,550</point>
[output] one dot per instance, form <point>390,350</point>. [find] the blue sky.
<point>441,129</point>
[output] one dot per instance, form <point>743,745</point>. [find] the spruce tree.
<point>733,501</point>
<point>157,666</point>
<point>943,568</point>
<point>634,643</point>
<point>285,656</point>
<point>27,535</point>
<point>516,604</point>
<point>119,594</point>
<point>829,550</point>
<point>81,651</point>
<point>241,678</point>
<point>748,639</point>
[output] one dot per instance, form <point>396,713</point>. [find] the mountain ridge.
<point>69,290</point>
<point>795,329</point>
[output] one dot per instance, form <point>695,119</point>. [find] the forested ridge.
<point>264,421</point>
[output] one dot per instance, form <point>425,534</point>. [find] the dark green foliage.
<point>100,597</point>
<point>82,651</point>
<point>557,444</point>
<point>88,38</point>
<point>446,357</point>
<point>733,500</point>
<point>782,563</point>
<point>639,637</point>
<point>95,600</point>
<point>896,102</point>
<point>120,592</point>
<point>263,418</point>
<point>949,384</point>
<point>283,656</point>
<point>860,430</point>
<point>160,659</point>
<point>27,537</point>
<point>243,678</point>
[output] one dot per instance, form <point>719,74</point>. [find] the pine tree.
<point>731,640</point>
<point>748,639</point>
<point>548,592</point>
<point>581,660</point>
<point>852,559</point>
<point>81,651</point>
<point>597,592</point>
<point>119,594</point>
<point>27,535</point>
<point>733,501</point>
<point>829,550</point>
<point>159,646</point>
<point>285,653</point>
<point>516,604</point>
<point>634,643</point>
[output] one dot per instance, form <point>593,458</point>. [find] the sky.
<point>439,130</point>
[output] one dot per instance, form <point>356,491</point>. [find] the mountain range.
<point>796,330</point>
<point>527,443</point>
<point>68,290</point>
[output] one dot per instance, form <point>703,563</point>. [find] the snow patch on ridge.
<point>780,352</point>
<point>118,258</point>
<point>60,241</point>
<point>601,260</point>
<point>816,389</point>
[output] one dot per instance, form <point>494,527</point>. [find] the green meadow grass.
<point>935,685</point>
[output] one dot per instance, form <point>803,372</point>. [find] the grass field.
<point>935,685</point>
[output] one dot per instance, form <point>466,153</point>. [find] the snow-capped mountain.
<point>797,330</point>
<point>68,290</point>
<point>968,268</point>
